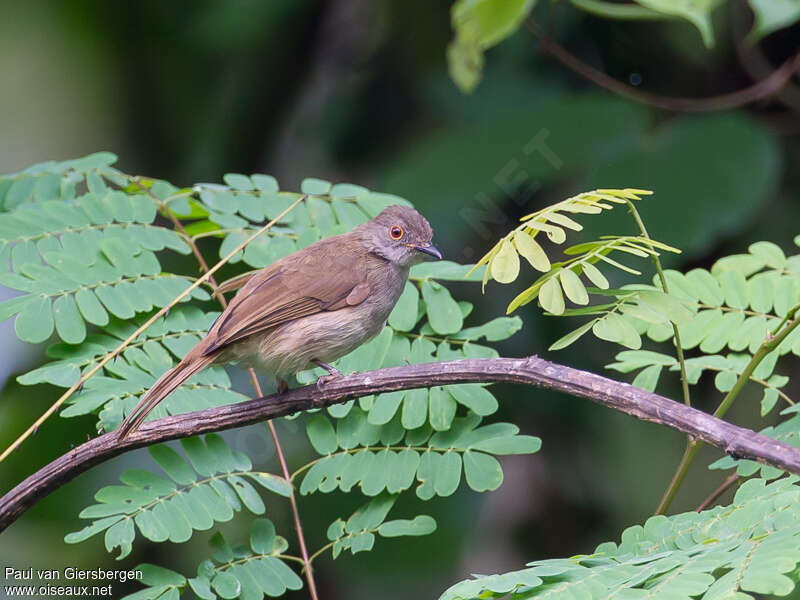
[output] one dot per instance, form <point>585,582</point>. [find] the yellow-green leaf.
<point>551,298</point>
<point>573,287</point>
<point>505,264</point>
<point>594,275</point>
<point>532,251</point>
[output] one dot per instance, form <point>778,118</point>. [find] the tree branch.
<point>767,87</point>
<point>735,441</point>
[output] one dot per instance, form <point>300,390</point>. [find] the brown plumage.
<point>310,307</point>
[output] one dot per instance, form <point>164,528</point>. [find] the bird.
<point>308,308</point>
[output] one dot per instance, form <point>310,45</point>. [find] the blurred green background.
<point>357,90</point>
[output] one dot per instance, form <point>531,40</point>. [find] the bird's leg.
<point>283,385</point>
<point>333,373</point>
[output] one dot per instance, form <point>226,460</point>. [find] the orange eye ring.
<point>396,232</point>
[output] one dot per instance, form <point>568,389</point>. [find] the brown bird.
<point>310,307</point>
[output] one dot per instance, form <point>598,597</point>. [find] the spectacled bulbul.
<point>308,308</point>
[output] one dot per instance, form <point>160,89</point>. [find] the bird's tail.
<point>163,387</point>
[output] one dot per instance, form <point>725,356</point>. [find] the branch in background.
<point>769,86</point>
<point>735,441</point>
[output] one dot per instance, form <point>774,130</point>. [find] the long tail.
<point>163,387</point>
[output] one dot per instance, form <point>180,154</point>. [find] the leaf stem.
<point>78,384</point>
<point>320,551</point>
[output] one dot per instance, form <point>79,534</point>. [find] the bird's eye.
<point>396,232</point>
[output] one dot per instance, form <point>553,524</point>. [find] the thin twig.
<point>78,384</point>
<point>765,88</point>
<point>712,497</point>
<point>731,439</point>
<point>312,586</point>
<point>298,525</point>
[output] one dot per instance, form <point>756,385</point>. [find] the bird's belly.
<point>292,347</point>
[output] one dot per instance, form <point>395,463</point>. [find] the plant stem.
<point>692,446</point>
<point>312,587</point>
<point>774,338</point>
<point>678,347</point>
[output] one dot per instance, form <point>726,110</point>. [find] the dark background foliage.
<point>352,90</point>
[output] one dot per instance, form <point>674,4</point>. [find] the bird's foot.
<point>333,373</point>
<point>325,379</point>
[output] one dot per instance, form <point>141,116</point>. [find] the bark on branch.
<point>733,440</point>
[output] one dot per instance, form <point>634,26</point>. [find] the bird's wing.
<point>321,279</point>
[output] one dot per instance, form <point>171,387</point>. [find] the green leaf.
<point>404,316</point>
<point>698,12</point>
<point>442,408</point>
<point>504,266</point>
<point>311,185</point>
<point>572,336</point>
<point>516,444</point>
<point>445,270</point>
<point>153,575</point>
<point>262,536</point>
<point>718,553</point>
<point>482,471</point>
<point>768,401</point>
<point>226,585</point>
<point>448,474</point>
<point>238,181</point>
<point>478,25</point>
<point>35,322</point>
<point>321,435</point>
<point>173,464</point>
<point>614,328</point>
<point>385,407</point>
<point>444,313</point>
<point>475,397</point>
<point>772,15</point>
<point>415,408</point>
<point>419,525</point>
<point>647,379</point>
<point>495,330</point>
<point>90,307</point>
<point>68,321</point>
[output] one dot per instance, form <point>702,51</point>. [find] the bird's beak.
<point>428,249</point>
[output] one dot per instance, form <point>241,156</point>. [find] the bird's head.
<point>400,235</point>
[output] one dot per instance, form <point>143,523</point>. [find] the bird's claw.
<point>325,379</point>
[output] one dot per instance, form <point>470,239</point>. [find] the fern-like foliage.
<point>261,570</point>
<point>85,245</point>
<point>503,258</point>
<point>749,547</point>
<point>250,572</point>
<point>392,457</point>
<point>208,488</point>
<point>357,533</point>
